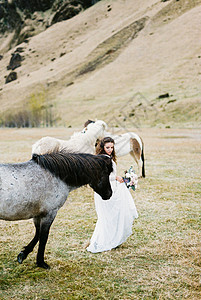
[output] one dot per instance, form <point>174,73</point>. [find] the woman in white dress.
<point>116,215</point>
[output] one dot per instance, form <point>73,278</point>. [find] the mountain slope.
<point>96,63</point>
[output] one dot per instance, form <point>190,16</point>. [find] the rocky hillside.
<point>20,19</point>
<point>129,62</point>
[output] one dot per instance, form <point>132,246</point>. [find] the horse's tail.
<point>143,161</point>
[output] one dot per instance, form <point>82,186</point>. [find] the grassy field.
<point>161,260</point>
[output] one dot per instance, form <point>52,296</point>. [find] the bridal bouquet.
<point>131,179</point>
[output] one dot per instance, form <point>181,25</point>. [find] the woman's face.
<point>109,147</point>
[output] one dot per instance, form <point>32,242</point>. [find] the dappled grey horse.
<point>38,189</point>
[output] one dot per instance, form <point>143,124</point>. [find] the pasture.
<point>161,260</point>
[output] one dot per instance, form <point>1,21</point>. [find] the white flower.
<point>132,178</point>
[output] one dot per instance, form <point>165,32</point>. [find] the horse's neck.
<point>89,136</point>
<point>94,133</point>
<point>77,145</point>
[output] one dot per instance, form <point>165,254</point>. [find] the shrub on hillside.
<point>37,112</point>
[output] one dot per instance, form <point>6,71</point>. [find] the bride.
<point>116,215</point>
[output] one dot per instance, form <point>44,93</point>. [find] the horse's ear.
<point>105,125</point>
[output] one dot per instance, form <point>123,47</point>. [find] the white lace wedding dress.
<point>115,217</point>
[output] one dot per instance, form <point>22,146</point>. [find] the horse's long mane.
<point>75,169</point>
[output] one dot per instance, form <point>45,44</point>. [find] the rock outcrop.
<point>25,19</point>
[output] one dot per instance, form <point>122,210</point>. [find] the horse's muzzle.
<point>108,196</point>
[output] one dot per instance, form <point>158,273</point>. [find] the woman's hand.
<point>120,179</point>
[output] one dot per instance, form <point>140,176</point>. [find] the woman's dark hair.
<point>100,147</point>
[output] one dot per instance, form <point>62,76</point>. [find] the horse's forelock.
<point>109,164</point>
<point>88,122</point>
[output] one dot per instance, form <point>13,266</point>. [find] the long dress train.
<point>115,217</point>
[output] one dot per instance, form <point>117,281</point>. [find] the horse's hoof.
<point>43,265</point>
<point>21,256</point>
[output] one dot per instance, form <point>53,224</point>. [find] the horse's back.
<point>26,190</point>
<point>46,144</point>
<point>123,142</point>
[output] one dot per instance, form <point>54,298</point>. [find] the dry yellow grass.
<point>161,260</point>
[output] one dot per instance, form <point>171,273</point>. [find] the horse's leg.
<point>29,248</point>
<point>46,222</point>
<point>136,154</point>
<point>138,162</point>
